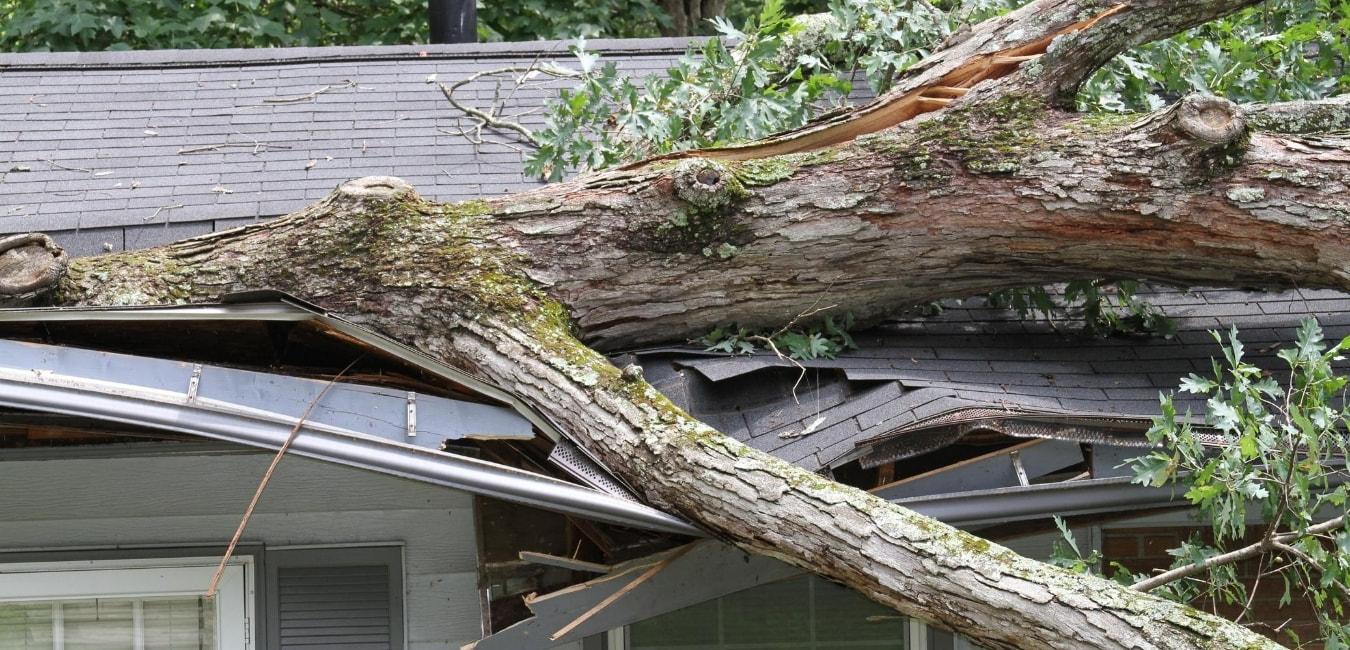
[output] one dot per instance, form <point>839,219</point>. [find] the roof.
<point>108,151</point>
<point>974,362</point>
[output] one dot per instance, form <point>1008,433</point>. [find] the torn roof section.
<point>923,396</point>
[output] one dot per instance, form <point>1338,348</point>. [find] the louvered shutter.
<point>327,598</point>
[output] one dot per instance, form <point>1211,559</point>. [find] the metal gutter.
<point>1038,501</point>
<point>279,306</point>
<point>81,397</point>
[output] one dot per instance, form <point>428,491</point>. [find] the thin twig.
<point>768,340</point>
<point>346,83</point>
<point>488,118</point>
<point>69,169</point>
<point>159,210</point>
<point>267,476</point>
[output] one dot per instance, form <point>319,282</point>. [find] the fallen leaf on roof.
<point>312,162</point>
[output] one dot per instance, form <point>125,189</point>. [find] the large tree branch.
<point>971,200</point>
<point>435,277</point>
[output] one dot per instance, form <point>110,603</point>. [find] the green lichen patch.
<point>1246,194</point>
<point>988,139</point>
<point>766,171</point>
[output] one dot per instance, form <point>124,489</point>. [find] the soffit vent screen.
<point>570,458</point>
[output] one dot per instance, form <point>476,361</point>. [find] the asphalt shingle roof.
<point>122,150</point>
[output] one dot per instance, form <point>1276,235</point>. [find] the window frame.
<point>27,581</point>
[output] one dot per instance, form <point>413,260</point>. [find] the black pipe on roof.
<point>453,21</point>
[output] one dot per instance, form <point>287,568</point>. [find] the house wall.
<point>171,501</point>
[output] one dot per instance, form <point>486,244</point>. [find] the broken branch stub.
<point>1210,120</point>
<point>31,264</point>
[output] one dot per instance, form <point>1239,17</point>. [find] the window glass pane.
<point>179,624</point>
<point>776,612</point>
<point>98,624</point>
<point>166,623</point>
<point>797,614</point>
<point>694,626</point>
<point>841,615</point>
<point>26,626</point>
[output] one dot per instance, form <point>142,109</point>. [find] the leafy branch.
<point>1283,451</point>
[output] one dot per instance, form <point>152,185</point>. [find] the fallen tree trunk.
<point>995,188</point>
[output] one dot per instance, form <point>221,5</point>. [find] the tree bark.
<point>995,188</point>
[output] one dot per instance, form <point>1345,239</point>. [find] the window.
<point>804,613</point>
<point>125,605</point>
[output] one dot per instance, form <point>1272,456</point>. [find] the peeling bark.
<point>997,189</point>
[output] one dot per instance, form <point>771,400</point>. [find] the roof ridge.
<point>210,58</point>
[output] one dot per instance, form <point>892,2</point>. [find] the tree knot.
<point>706,184</point>
<point>31,264</point>
<point>376,187</point>
<point>1210,120</point>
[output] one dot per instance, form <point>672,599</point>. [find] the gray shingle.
<point>92,110</point>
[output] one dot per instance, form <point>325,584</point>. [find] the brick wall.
<point>1144,550</point>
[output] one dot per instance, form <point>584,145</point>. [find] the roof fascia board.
<point>283,307</point>
<point>277,305</point>
<point>439,468</point>
<point>268,305</point>
<point>393,415</point>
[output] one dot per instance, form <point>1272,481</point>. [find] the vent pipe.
<point>453,21</point>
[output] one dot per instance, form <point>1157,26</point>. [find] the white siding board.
<point>166,501</point>
<point>448,608</point>
<point>195,485</point>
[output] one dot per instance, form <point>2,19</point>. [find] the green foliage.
<point>86,25</point>
<point>1066,555</point>
<point>773,75</point>
<point>1104,308</point>
<point>823,340</point>
<point>551,19</point>
<point>715,95</point>
<point>1277,51</point>
<point>1282,452</point>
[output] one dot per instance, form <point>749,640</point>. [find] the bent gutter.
<point>74,396</point>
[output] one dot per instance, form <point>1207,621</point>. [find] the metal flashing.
<point>272,305</point>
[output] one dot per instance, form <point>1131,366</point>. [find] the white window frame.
<point>189,576</point>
